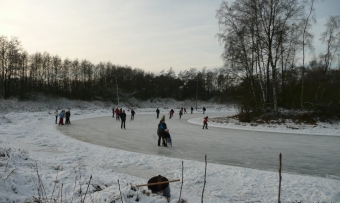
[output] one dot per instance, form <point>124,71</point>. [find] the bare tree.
<point>254,35</point>
<point>10,52</point>
<point>307,38</point>
<point>331,37</point>
<point>3,54</point>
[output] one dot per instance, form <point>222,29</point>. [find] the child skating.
<point>205,122</point>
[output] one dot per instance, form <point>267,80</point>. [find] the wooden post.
<point>180,193</point>
<point>121,197</point>
<point>280,178</point>
<point>205,177</point>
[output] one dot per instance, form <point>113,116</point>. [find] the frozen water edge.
<point>251,149</point>
<point>320,129</point>
<point>33,131</point>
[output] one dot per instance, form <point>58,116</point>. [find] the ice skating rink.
<point>314,155</point>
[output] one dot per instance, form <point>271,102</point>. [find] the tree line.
<point>265,68</point>
<point>23,73</point>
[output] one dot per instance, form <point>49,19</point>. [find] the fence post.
<point>280,178</point>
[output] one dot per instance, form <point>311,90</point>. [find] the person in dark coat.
<point>166,135</point>
<point>56,114</point>
<point>204,109</point>
<point>157,112</point>
<point>132,115</point>
<point>68,115</point>
<point>171,113</point>
<point>160,131</point>
<point>113,112</point>
<point>180,113</point>
<point>192,109</point>
<point>122,118</point>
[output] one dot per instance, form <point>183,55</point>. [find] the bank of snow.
<point>35,155</point>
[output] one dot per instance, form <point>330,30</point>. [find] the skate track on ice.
<point>313,155</point>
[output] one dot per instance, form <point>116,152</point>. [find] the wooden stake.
<point>180,193</point>
<point>205,177</point>
<point>121,197</point>
<point>280,178</point>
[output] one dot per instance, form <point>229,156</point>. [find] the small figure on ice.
<point>205,122</point>
<point>117,114</point>
<point>56,114</point>
<point>61,117</point>
<point>160,131</point>
<point>180,113</point>
<point>157,112</point>
<point>132,114</point>
<point>171,113</point>
<point>68,115</point>
<point>123,118</point>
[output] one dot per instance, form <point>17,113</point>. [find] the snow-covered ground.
<point>39,161</point>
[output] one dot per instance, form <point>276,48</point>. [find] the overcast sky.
<point>152,35</point>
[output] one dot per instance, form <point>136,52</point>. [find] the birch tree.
<point>331,38</point>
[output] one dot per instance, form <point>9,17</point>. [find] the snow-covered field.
<point>38,161</point>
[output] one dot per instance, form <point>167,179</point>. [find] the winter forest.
<point>265,66</point>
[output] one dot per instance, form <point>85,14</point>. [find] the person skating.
<point>157,112</point>
<point>61,117</point>
<point>69,119</point>
<point>122,118</point>
<point>68,115</point>
<point>117,114</point>
<point>113,112</point>
<point>160,130</point>
<point>132,114</point>
<point>56,114</point>
<point>204,109</point>
<point>185,110</point>
<point>180,113</point>
<point>205,122</point>
<point>171,113</point>
<point>192,109</point>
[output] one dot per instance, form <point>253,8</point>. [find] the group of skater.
<point>121,116</point>
<point>181,112</point>
<point>61,116</point>
<point>163,132</point>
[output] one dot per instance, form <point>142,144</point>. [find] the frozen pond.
<point>312,155</point>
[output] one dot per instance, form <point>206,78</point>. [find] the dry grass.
<point>255,119</point>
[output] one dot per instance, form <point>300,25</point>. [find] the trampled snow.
<point>38,161</point>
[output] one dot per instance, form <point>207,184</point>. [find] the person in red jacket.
<point>117,114</point>
<point>205,122</point>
